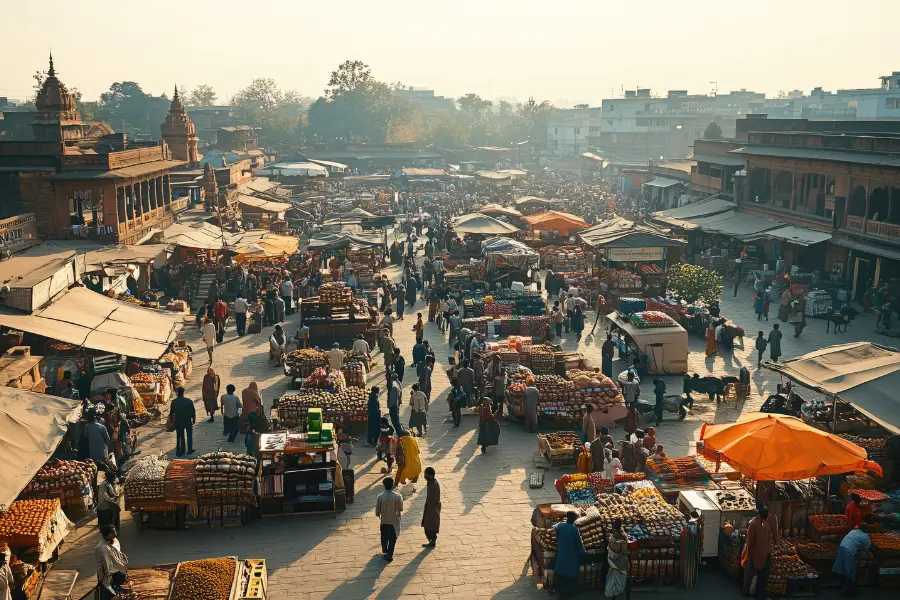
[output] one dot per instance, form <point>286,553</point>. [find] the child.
<point>385,444</point>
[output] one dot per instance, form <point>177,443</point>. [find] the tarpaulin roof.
<point>360,213</point>
<point>770,447</point>
<point>478,223</point>
<point>202,236</point>
<point>496,209</point>
<point>344,239</point>
<point>510,251</point>
<point>269,246</point>
<point>33,425</point>
<point>98,322</point>
<point>622,233</point>
<point>676,217</point>
<point>264,205</point>
<point>552,219</point>
<point>495,175</point>
<point>861,373</point>
<point>339,167</point>
<point>123,255</point>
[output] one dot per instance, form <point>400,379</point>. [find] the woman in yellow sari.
<point>711,345</point>
<point>409,465</point>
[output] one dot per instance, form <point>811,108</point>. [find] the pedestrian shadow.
<point>363,584</point>
<point>395,588</point>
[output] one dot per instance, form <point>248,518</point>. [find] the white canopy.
<point>98,322</point>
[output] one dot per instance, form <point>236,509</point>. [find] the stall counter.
<point>666,347</point>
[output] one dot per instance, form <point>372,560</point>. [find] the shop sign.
<point>19,232</point>
<point>635,254</point>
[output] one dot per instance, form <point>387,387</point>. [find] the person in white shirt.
<point>110,558</point>
<point>445,314</point>
<point>418,404</point>
<point>7,582</point>
<point>361,347</point>
<point>438,268</point>
<point>336,357</point>
<point>241,307</point>
<point>287,294</point>
<point>388,508</point>
<point>209,336</point>
<point>612,466</point>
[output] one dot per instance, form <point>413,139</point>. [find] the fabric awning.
<point>622,233</point>
<point>532,200</point>
<point>496,209</point>
<point>123,255</point>
<point>268,246</point>
<point>98,322</point>
<point>33,425</point>
<point>862,373</point>
<point>554,220</point>
<point>345,239</point>
<point>739,225</point>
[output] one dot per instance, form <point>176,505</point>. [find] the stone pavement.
<point>484,543</point>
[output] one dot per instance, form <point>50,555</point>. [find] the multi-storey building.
<point>85,182</point>
<point>569,131</point>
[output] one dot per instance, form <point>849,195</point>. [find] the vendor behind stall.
<point>110,560</point>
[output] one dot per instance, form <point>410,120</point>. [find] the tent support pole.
<point>834,414</point>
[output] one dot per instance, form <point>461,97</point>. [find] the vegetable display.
<point>326,379</point>
<point>651,319</point>
<point>339,408</point>
<point>209,579</point>
<point>69,478</point>
<point>829,524</point>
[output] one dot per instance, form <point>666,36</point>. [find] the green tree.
<point>277,112</point>
<point>692,283</point>
<point>535,116</point>
<point>712,132</point>
<point>202,95</point>
<point>127,104</point>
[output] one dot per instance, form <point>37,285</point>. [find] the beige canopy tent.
<point>124,255</point>
<point>862,373</point>
<point>33,425</point>
<point>496,209</point>
<point>98,322</point>
<point>477,223</point>
<point>268,247</point>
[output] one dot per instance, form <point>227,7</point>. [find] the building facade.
<point>237,137</point>
<point>569,131</point>
<point>97,186</point>
<point>843,183</point>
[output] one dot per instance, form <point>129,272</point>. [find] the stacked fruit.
<point>652,318</point>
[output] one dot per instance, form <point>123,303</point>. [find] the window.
<point>577,130</point>
<point>892,103</point>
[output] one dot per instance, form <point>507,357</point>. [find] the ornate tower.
<point>210,187</point>
<point>179,133</point>
<point>57,115</point>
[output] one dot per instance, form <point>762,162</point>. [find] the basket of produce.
<point>870,495</point>
<point>208,579</point>
<point>579,492</point>
<point>65,479</point>
<point>886,544</point>
<point>33,524</point>
<point>145,482</point>
<point>820,525</point>
<point>326,379</point>
<point>224,477</point>
<point>562,443</point>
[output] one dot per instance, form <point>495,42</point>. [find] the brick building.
<point>85,182</point>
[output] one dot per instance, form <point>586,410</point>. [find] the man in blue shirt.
<point>854,545</point>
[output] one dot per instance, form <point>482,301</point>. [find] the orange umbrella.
<point>778,448</point>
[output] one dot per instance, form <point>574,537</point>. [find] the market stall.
<point>344,407</point>
<point>336,315</point>
<point>562,400</point>
<point>32,531</point>
<point>563,224</point>
<point>508,261</point>
<point>228,578</point>
<point>299,472</point>
<point>660,342</point>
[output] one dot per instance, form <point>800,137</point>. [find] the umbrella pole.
<point>834,414</point>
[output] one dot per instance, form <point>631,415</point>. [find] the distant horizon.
<point>575,52</point>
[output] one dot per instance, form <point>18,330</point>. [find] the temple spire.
<point>175,97</point>
<point>52,71</point>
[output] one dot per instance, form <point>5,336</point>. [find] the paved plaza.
<point>484,544</point>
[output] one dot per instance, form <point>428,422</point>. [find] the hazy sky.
<point>578,50</point>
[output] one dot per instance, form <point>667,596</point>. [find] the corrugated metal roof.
<point>797,235</point>
<point>264,205</point>
<point>662,182</point>
<point>878,250</point>
<point>739,225</point>
<point>678,217</point>
<point>728,161</point>
<point>622,233</point>
<point>848,156</point>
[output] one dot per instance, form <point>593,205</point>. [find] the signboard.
<point>19,232</point>
<point>635,254</point>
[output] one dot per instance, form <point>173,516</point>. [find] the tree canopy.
<point>277,112</point>
<point>202,95</point>
<point>692,283</point>
<point>126,104</point>
<point>712,132</point>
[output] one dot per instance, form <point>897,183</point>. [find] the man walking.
<point>287,294</point>
<point>184,416</point>
<point>388,508</point>
<point>394,393</point>
<point>431,517</point>
<point>761,535</point>
<point>231,411</point>
<point>761,344</point>
<point>240,314</point>
<point>775,343</point>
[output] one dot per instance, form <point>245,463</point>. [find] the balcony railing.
<point>855,223</point>
<point>90,232</point>
<point>888,230</point>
